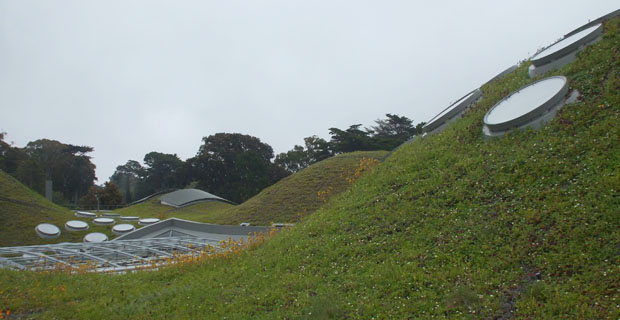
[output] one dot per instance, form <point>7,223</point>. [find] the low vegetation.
<point>288,200</point>
<point>451,226</point>
<point>22,209</point>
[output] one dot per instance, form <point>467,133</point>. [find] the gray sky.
<point>130,77</point>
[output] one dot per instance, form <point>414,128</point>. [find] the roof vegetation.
<point>450,226</point>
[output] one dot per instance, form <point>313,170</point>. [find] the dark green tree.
<point>162,171</point>
<point>66,165</point>
<point>234,166</point>
<point>391,132</point>
<point>10,157</point>
<point>316,149</point>
<point>352,139</point>
<point>107,197</point>
<point>130,178</point>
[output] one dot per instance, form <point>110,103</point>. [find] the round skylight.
<point>47,231</point>
<point>103,221</point>
<point>147,221</point>
<point>452,111</point>
<point>85,214</point>
<point>76,225</point>
<point>567,45</point>
<point>564,52</point>
<point>129,218</point>
<point>95,237</point>
<point>111,215</point>
<point>526,104</point>
<point>123,228</point>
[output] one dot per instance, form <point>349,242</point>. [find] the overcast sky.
<point>130,77</point>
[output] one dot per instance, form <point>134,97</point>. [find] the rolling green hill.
<point>452,226</point>
<point>286,201</point>
<point>22,209</point>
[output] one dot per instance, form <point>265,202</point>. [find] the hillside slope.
<point>452,226</point>
<point>286,201</point>
<point>299,194</point>
<point>22,209</point>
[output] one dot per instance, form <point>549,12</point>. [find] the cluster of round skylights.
<point>563,52</point>
<point>50,231</point>
<point>530,106</point>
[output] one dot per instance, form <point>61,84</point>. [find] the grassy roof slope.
<point>286,201</point>
<point>452,226</point>
<point>297,195</point>
<point>22,209</point>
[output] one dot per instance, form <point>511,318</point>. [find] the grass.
<point>452,226</point>
<point>22,209</point>
<point>286,201</point>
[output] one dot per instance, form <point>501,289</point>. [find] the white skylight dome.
<point>76,226</point>
<point>103,221</point>
<point>452,112</point>
<point>147,221</point>
<point>564,51</point>
<point>123,228</point>
<point>95,237</point>
<point>85,214</point>
<point>47,231</point>
<point>531,106</point>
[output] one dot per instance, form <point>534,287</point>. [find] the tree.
<point>293,160</point>
<point>162,171</point>
<point>316,149</point>
<point>106,197</point>
<point>352,139</point>
<point>392,132</point>
<point>130,179</point>
<point>10,157</point>
<point>66,165</point>
<point>234,166</point>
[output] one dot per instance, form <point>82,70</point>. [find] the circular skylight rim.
<point>85,214</point>
<point>541,58</point>
<point>530,115</point>
<point>47,231</point>
<point>103,221</point>
<point>76,225</point>
<point>95,237</point>
<point>111,215</point>
<point>123,228</point>
<point>147,221</point>
<point>452,110</point>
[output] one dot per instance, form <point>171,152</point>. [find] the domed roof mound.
<point>184,197</point>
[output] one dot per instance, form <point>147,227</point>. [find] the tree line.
<point>386,134</point>
<point>68,166</point>
<point>233,166</point>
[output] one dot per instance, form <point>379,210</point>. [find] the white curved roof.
<point>185,197</point>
